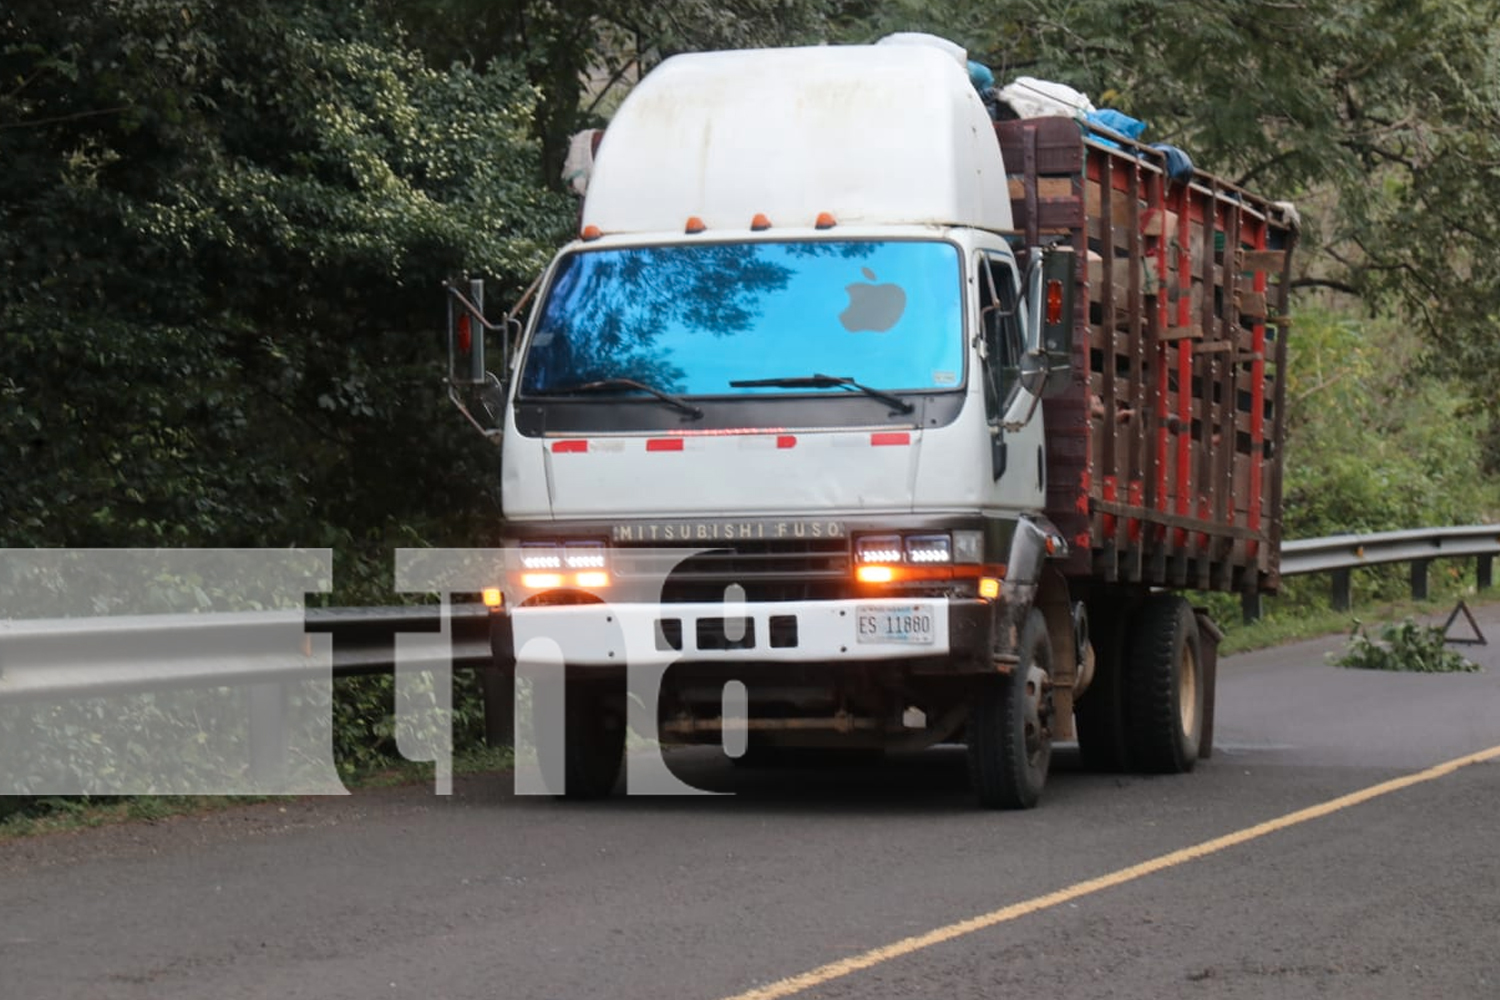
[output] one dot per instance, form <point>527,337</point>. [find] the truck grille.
<point>779,570</point>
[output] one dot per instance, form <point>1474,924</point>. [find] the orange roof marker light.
<point>694,225</point>
<point>493,598</point>
<point>591,233</point>
<point>760,223</point>
<point>825,221</point>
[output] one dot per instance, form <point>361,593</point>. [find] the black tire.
<point>1010,736</point>
<point>593,742</point>
<point>1099,714</point>
<point>1166,692</point>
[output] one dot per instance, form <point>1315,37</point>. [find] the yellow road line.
<point>906,946</point>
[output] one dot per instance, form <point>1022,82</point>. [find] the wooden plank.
<point>1119,214</point>
<point>1252,305</point>
<point>1046,187</point>
<point>1174,333</point>
<point>1271,261</point>
<point>1213,347</point>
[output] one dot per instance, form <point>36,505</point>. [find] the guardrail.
<point>265,652</point>
<point>1340,555</point>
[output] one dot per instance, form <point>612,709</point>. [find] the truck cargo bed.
<point>1164,464</point>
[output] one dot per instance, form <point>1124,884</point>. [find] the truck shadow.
<point>928,781</point>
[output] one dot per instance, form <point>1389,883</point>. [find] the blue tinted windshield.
<point>692,319</point>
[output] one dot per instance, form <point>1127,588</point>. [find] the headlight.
<point>584,555</point>
<point>540,556</point>
<point>878,549</point>
<point>928,550</point>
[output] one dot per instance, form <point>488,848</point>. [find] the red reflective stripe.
<point>898,437</point>
<point>786,441</point>
<point>569,447</point>
<point>664,444</point>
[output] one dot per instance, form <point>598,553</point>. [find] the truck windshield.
<point>715,319</point>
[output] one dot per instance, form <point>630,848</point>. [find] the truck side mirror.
<point>470,383</point>
<point>466,327</point>
<point>1046,367</point>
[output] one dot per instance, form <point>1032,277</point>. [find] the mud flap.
<point>1209,636</point>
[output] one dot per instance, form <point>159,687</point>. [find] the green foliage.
<point>364,721</point>
<point>1406,646</point>
<point>581,55</point>
<point>1375,443</point>
<point>223,230</point>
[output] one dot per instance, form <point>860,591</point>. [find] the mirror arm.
<point>489,432</point>
<point>474,310</point>
<point>1010,423</point>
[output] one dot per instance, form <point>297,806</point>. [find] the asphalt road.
<point>859,880</point>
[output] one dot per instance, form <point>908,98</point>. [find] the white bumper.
<point>598,635</point>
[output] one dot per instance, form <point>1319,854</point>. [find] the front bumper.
<point>959,639</point>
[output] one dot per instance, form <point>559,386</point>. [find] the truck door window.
<point>1000,326</point>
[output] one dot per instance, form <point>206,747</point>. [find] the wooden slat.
<point>1182,333</point>
<point>1273,261</point>
<point>1252,305</point>
<point>1046,187</point>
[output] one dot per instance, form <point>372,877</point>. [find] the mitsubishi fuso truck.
<point>907,425</point>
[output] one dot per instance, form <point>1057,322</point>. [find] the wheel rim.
<point>1187,691</point>
<point>1038,724</point>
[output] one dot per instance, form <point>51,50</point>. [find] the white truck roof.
<point>874,134</point>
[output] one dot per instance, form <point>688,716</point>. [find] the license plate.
<point>904,624</point>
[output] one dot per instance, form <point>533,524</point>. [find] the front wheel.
<point>1010,726</point>
<point>593,738</point>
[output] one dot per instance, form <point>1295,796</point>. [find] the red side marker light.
<point>1054,301</point>
<point>664,444</point>
<point>760,222</point>
<point>694,225</point>
<point>879,439</point>
<point>825,221</point>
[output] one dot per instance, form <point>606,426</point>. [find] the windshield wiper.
<point>619,384</point>
<point>824,382</point>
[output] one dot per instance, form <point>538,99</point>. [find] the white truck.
<point>804,338</point>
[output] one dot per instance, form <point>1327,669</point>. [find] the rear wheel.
<point>1166,703</point>
<point>1010,726</point>
<point>1100,712</point>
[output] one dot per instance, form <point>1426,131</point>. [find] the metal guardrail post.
<point>1342,597</point>
<point>1485,572</point>
<point>497,688</point>
<point>1419,579</point>
<point>268,735</point>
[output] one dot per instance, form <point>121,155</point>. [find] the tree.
<point>582,54</point>
<point>223,230</point>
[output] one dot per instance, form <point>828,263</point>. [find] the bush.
<point>1406,646</point>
